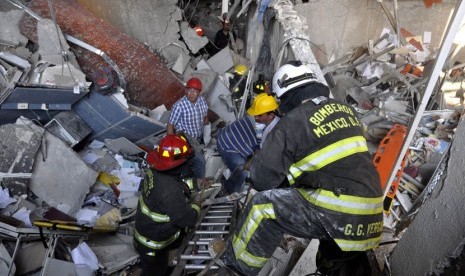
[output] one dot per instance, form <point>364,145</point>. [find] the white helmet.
<point>290,76</point>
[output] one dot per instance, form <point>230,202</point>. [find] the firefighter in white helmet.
<point>315,174</point>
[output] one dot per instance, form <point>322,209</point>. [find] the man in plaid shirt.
<point>189,116</point>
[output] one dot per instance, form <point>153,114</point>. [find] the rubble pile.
<point>384,82</point>
<point>73,150</point>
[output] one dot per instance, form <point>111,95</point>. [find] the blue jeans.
<point>235,163</point>
<point>198,161</point>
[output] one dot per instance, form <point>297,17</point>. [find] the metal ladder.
<point>216,223</point>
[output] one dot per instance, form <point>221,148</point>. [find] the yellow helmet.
<point>262,104</point>
<point>240,69</point>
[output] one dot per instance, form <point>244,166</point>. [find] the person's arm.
<point>169,129</point>
<point>182,214</point>
<point>174,117</point>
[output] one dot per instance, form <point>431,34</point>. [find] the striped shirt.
<point>188,117</point>
<point>240,136</point>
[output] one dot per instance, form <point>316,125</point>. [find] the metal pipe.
<point>72,39</point>
<point>26,9</point>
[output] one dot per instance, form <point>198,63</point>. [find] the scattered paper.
<point>83,255</point>
<point>23,215</point>
<point>87,216</point>
<point>5,198</point>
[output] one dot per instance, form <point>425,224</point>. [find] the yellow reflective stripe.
<point>327,155</point>
<point>190,183</point>
<point>351,245</point>
<point>154,244</point>
<point>256,214</point>
<point>347,204</point>
<point>196,207</point>
<point>152,215</point>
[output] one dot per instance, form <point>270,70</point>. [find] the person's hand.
<point>247,165</point>
<point>204,183</point>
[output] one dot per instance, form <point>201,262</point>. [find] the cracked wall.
<point>339,26</point>
<point>436,235</point>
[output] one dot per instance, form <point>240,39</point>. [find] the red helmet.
<point>194,83</point>
<point>172,151</point>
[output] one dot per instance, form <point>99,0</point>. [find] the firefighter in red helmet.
<point>163,211</point>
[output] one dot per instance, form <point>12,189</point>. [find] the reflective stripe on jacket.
<point>327,155</point>
<point>152,215</point>
<point>155,244</point>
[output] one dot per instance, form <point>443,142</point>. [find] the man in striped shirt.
<point>237,141</point>
<point>189,116</point>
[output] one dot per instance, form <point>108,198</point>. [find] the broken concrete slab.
<point>54,49</point>
<point>113,252</point>
<point>61,178</point>
<point>19,145</point>
<point>191,38</point>
<point>220,101</point>
<point>222,61</point>
<point>9,32</point>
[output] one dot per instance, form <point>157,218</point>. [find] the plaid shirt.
<point>188,117</point>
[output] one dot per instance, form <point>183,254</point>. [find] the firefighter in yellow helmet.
<point>237,83</point>
<point>238,141</point>
<point>163,211</point>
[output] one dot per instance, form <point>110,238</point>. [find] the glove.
<point>207,134</point>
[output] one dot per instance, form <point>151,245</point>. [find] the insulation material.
<point>149,82</point>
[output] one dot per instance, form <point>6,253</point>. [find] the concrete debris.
<point>192,39</point>
<point>84,167</point>
<point>149,83</point>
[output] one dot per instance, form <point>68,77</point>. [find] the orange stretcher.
<point>385,159</point>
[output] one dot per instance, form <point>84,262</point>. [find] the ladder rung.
<point>196,257</point>
<point>199,267</point>
<point>199,243</point>
<point>211,232</point>
<point>220,206</point>
<point>217,217</point>
<point>219,211</point>
<point>214,223</point>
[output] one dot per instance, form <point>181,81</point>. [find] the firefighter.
<point>315,174</point>
<point>237,83</point>
<point>163,209</point>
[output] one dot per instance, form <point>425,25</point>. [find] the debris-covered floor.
<point>81,104</point>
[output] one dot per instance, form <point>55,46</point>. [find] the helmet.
<point>240,69</point>
<point>262,104</point>
<point>198,30</point>
<point>194,83</point>
<point>172,151</point>
<point>290,76</point>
